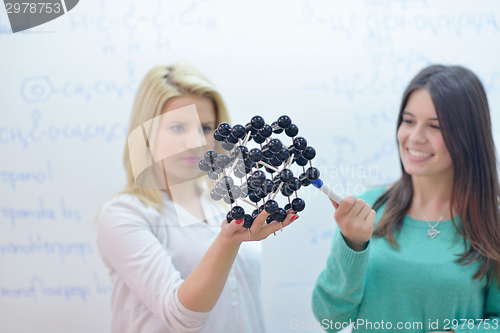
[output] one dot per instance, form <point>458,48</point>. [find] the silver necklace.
<point>432,232</point>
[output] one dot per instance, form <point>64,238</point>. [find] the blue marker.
<point>318,183</point>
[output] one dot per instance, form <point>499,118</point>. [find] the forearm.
<point>201,290</point>
<point>340,287</point>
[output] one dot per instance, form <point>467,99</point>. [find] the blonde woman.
<point>169,273</point>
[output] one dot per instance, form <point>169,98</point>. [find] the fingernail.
<point>239,221</point>
<point>294,217</point>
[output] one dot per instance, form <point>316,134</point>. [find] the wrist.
<point>228,241</point>
<point>356,246</point>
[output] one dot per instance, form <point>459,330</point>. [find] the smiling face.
<point>183,137</point>
<point>421,145</point>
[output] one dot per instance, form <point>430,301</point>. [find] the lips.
<point>417,155</point>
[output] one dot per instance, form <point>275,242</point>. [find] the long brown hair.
<point>464,117</point>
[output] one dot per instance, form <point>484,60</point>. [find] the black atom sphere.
<point>298,204</point>
<point>292,131</point>
<point>280,215</point>
<point>284,121</point>
<point>224,129</point>
<point>237,212</point>
<point>271,207</point>
<point>258,122</point>
<point>238,131</point>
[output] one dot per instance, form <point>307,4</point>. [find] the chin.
<point>414,171</point>
<point>416,174</point>
<point>421,172</point>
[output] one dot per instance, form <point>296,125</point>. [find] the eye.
<point>408,121</point>
<point>207,129</point>
<point>177,128</point>
<point>435,127</point>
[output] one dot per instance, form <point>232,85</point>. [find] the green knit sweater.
<point>418,288</point>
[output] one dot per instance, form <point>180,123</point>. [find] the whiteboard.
<point>338,68</point>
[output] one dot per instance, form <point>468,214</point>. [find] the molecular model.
<point>263,172</point>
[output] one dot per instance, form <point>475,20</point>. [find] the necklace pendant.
<point>432,233</point>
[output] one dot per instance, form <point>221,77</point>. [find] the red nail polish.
<point>239,221</point>
<point>294,218</point>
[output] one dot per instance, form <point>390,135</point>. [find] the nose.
<point>194,138</point>
<point>418,134</point>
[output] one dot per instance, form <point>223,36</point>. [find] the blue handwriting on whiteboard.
<point>39,89</point>
<point>100,287</point>
<point>37,289</point>
<point>323,236</point>
<point>80,132</point>
<point>35,245</point>
<point>13,177</point>
<point>40,213</point>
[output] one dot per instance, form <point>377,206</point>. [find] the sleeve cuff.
<point>349,255</point>
<point>180,319</point>
<point>197,316</point>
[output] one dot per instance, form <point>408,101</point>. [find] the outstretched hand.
<point>258,231</point>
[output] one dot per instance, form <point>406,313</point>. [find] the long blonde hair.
<point>160,84</point>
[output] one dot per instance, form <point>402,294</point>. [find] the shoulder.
<point>372,194</point>
<point>125,209</point>
<point>124,202</point>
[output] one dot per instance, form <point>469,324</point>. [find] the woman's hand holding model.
<point>355,219</point>
<point>235,233</point>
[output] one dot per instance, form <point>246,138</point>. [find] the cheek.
<point>166,144</point>
<point>441,147</point>
<point>209,138</point>
<point>402,135</point>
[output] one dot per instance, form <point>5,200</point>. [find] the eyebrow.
<point>177,122</point>
<point>408,113</point>
<point>209,123</point>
